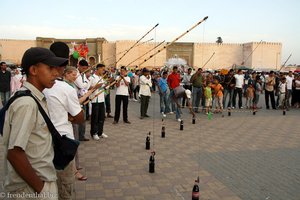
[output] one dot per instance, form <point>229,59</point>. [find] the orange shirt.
<point>217,89</point>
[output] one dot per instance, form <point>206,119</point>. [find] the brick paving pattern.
<point>244,156</point>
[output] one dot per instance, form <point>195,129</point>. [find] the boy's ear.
<point>33,70</point>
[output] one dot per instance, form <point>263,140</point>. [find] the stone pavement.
<point>243,156</point>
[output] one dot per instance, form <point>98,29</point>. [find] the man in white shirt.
<point>63,103</point>
<point>269,90</point>
<point>122,96</point>
<point>238,90</point>
<point>289,83</point>
<point>98,108</point>
<point>145,92</point>
<point>82,84</point>
<point>187,84</point>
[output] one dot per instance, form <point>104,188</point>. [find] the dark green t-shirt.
<point>197,80</point>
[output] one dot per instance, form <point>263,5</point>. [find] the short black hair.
<point>2,63</point>
<point>175,67</point>
<point>165,72</point>
<point>123,67</point>
<point>83,63</point>
<point>100,65</point>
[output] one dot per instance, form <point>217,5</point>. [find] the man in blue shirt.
<point>163,89</point>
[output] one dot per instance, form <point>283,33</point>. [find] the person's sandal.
<point>80,177</point>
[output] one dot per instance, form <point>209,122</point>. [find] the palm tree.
<point>219,40</point>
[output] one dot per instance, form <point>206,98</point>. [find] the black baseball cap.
<point>36,55</point>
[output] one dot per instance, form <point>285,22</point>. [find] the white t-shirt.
<point>95,79</point>
<point>82,84</point>
<point>289,82</point>
<point>239,80</point>
<point>145,85</point>
<point>61,100</point>
<point>282,87</point>
<point>123,88</point>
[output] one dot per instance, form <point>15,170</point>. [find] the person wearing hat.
<point>28,150</point>
<point>180,92</point>
<point>64,110</point>
<point>145,92</point>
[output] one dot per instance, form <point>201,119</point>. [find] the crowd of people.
<point>72,95</point>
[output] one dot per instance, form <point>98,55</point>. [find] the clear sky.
<point>236,21</point>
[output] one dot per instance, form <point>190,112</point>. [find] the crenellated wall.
<point>253,54</point>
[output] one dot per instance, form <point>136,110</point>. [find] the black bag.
<point>64,148</point>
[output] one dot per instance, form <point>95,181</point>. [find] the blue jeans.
<point>171,101</point>
<point>197,96</point>
<point>226,93</point>
<point>289,94</point>
<point>4,97</point>
<point>164,103</point>
<point>177,109</point>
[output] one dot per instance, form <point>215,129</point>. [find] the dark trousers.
<point>81,127</point>
<point>144,105</point>
<point>136,90</point>
<point>237,91</point>
<point>268,95</point>
<point>97,118</point>
<point>107,103</point>
<point>188,87</point>
<point>118,100</point>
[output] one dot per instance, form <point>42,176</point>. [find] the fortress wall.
<point>138,51</point>
<point>13,50</point>
<point>225,55</point>
<point>108,53</point>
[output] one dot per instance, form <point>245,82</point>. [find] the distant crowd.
<point>72,95</point>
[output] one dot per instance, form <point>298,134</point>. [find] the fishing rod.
<point>251,53</point>
<point>168,44</point>
<point>208,60</point>
<point>103,89</point>
<point>146,52</point>
<point>136,43</point>
<point>285,62</point>
<point>126,50</point>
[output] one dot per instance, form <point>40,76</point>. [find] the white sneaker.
<point>179,120</point>
<point>163,114</point>
<point>171,113</point>
<point>104,135</point>
<point>134,100</point>
<point>96,137</point>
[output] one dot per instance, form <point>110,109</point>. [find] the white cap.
<point>188,93</point>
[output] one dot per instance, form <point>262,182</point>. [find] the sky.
<point>235,21</point>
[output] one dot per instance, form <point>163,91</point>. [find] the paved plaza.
<point>244,156</point>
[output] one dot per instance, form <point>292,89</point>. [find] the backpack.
<point>6,106</point>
